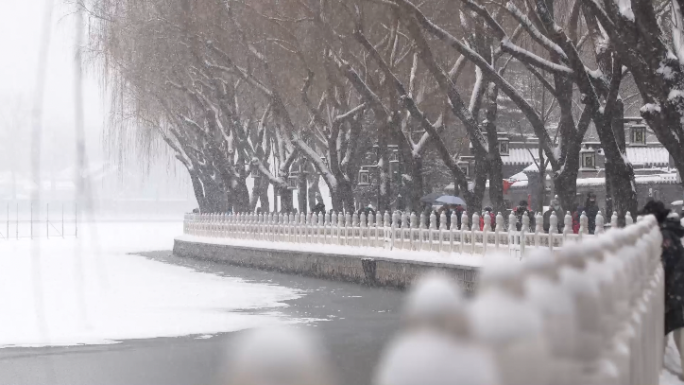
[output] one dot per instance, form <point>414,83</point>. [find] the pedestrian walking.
<point>673,265</point>
<point>591,209</point>
<point>520,212</point>
<point>488,212</point>
<point>554,207</point>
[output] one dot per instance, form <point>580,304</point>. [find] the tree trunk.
<point>314,192</point>
<point>565,186</point>
<point>303,192</point>
<point>542,182</point>
<point>496,194</point>
<point>198,191</point>
<point>260,194</point>
<point>240,193</point>
<point>416,187</point>
<point>286,204</point>
<point>346,194</point>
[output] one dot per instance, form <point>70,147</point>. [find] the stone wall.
<point>371,271</point>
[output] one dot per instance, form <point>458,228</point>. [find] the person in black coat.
<point>560,215</point>
<point>591,209</point>
<point>521,211</point>
<point>673,265</point>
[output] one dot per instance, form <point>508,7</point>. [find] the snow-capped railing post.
<point>379,227</point>
<point>523,234</point>
<point>584,225</point>
<point>553,228</point>
<point>538,229</point>
<point>327,230</point>
<point>486,228</point>
<point>315,228</point>
<point>453,230</point>
<point>394,229</point>
<point>348,229</point>
<point>237,226</point>
<point>567,228</point>
<point>628,219</point>
<point>432,231</point>
<point>614,220</point>
<point>387,230</point>
<point>512,219</point>
<point>442,230</point>
<point>599,229</point>
<point>410,228</point>
<point>497,230</point>
<point>464,229</point>
<point>362,229</point>
<point>421,231</point>
<point>335,225</point>
<point>354,229</point>
<point>475,228</point>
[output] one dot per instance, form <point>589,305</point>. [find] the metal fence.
<point>397,231</point>
<point>24,220</point>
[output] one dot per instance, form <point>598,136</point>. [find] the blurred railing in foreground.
<point>399,231</point>
<point>589,313</point>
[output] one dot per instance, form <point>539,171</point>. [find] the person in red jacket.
<point>490,212</point>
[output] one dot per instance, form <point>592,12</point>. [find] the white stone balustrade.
<point>590,312</point>
<point>396,231</point>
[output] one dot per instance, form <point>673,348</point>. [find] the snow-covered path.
<point>672,365</point>
<point>106,295</point>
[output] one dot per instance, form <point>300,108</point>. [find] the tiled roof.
<point>649,156</point>
<point>519,156</point>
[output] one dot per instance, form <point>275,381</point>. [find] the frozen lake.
<point>90,290</point>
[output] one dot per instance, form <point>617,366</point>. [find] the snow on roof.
<point>519,156</point>
<point>518,177</point>
<point>649,156</point>
<point>534,168</point>
<point>639,179</point>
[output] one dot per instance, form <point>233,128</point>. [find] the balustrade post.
<point>395,227</point>
<point>567,227</point>
<point>464,229</point>
<point>614,220</point>
<point>314,228</point>
<point>452,230</point>
<point>309,228</point>
<point>362,229</point>
<point>414,229</point>
<point>523,234</point>
<point>599,229</point>
<point>553,228</point>
<point>628,219</point>
<point>336,226</point>
<point>475,227</point>
<point>584,224</point>
<point>379,226</point>
<point>347,226</point>
<point>512,233</point>
<point>538,229</point>
<point>486,228</point>
<point>442,229</point>
<point>497,230</point>
<point>432,229</point>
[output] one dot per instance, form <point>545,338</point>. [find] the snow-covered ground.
<point>91,291</point>
<point>673,368</point>
<point>456,259</point>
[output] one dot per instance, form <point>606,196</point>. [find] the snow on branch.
<point>508,89</point>
<point>534,32</point>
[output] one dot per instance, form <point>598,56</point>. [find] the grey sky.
<point>20,29</point>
